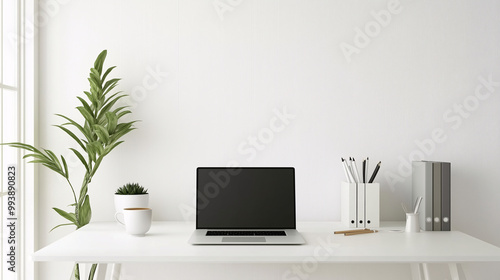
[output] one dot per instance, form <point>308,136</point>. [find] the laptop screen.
<point>245,198</point>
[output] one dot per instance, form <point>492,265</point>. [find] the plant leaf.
<point>97,163</point>
<point>65,165</point>
<point>100,61</point>
<point>91,151</point>
<point>92,271</point>
<point>108,106</point>
<point>68,216</point>
<point>61,226</point>
<point>96,76</point>
<point>85,133</point>
<point>81,158</point>
<point>112,122</point>
<point>20,146</point>
<point>102,133</point>
<point>107,72</point>
<point>111,147</point>
<point>85,213</point>
<point>70,133</point>
<point>121,130</point>
<point>83,194</point>
<point>86,105</point>
<point>109,85</point>
<point>87,115</point>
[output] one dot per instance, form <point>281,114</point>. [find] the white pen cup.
<point>137,221</point>
<point>412,222</point>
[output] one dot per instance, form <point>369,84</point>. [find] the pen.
<point>366,178</point>
<point>417,205</point>
<point>375,172</point>
<point>355,169</point>
<point>350,169</point>
<point>364,171</point>
<point>346,171</point>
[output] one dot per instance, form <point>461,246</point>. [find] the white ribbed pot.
<point>131,201</point>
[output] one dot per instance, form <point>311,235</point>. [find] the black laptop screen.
<point>245,198</point>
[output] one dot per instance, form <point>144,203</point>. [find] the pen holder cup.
<point>360,204</point>
<point>412,222</point>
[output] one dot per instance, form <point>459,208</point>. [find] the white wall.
<point>205,81</point>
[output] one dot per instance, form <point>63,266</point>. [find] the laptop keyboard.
<point>246,233</point>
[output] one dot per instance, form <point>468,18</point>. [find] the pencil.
<point>351,230</point>
<point>360,232</point>
<point>375,172</point>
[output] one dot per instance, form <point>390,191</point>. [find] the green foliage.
<point>99,134</point>
<point>131,188</point>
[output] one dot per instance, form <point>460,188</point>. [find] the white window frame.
<point>26,89</point>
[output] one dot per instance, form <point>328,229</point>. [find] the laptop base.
<point>293,237</point>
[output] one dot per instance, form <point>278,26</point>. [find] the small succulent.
<point>131,188</point>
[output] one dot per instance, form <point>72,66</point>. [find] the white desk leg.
<point>454,271</point>
<point>84,270</point>
<point>416,271</point>
<point>425,268</point>
<point>419,271</point>
<point>101,271</point>
<point>115,271</point>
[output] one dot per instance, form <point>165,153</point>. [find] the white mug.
<point>137,221</point>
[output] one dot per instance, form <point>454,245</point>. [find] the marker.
<point>364,171</point>
<point>375,172</point>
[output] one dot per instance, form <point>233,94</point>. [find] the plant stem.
<point>72,189</point>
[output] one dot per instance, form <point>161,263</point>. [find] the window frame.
<point>26,90</point>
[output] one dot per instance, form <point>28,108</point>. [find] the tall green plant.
<point>98,134</point>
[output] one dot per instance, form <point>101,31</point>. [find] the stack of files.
<point>360,204</point>
<point>432,181</point>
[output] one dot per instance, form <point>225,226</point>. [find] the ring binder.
<point>432,181</point>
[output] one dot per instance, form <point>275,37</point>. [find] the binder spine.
<point>422,186</point>
<point>436,199</point>
<point>360,205</point>
<point>349,203</point>
<point>372,205</point>
<point>446,196</point>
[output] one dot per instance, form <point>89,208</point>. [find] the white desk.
<point>107,243</point>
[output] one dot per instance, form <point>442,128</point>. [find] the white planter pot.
<point>131,201</point>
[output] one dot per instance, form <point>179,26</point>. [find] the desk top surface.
<point>107,242</point>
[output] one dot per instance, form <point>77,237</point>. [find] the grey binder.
<point>446,196</point>
<point>432,181</point>
<point>422,186</point>
<point>436,191</point>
